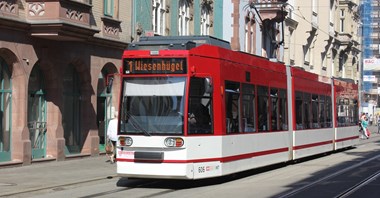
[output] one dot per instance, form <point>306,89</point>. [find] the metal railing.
<point>37,132</point>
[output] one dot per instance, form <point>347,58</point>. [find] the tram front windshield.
<point>153,106</point>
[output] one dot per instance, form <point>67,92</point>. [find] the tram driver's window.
<point>200,111</point>
<point>232,92</point>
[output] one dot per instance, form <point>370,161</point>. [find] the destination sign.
<point>155,66</point>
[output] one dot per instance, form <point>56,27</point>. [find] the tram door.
<point>37,114</point>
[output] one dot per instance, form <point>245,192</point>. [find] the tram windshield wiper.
<point>136,124</point>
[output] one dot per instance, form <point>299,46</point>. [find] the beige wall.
<point>325,39</point>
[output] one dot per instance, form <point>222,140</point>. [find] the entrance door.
<point>71,112</point>
<point>37,113</point>
<point>5,112</point>
<point>104,104</point>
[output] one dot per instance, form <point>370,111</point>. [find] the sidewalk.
<point>46,175</point>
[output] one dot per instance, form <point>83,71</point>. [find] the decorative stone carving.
<point>36,9</point>
<point>111,30</point>
<point>111,27</point>
<point>74,14</point>
<point>8,6</point>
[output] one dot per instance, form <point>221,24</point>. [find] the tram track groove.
<point>303,188</point>
<point>359,185</point>
<point>38,189</point>
<point>140,185</point>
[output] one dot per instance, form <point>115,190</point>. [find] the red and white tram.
<point>191,108</point>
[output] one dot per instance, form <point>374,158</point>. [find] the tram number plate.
<point>203,169</point>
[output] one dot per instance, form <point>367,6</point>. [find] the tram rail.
<point>330,178</point>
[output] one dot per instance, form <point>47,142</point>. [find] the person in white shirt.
<point>112,134</point>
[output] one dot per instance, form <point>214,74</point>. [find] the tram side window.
<point>306,108</point>
<point>328,112</point>
<point>314,111</point>
<point>322,114</point>
<point>232,92</point>
<point>354,112</point>
<point>283,119</point>
<point>347,110</point>
<point>263,103</point>
<point>341,112</point>
<point>248,109</point>
<point>274,107</point>
<point>200,108</point>
<point>299,110</point>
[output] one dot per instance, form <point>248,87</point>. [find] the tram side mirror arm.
<point>109,85</point>
<point>208,85</point>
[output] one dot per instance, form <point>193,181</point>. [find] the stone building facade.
<point>55,59</point>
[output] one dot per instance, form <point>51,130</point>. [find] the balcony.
<point>64,20</point>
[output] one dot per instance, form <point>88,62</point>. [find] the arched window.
<point>342,60</point>
<point>5,111</point>
<point>37,113</point>
<point>105,106</point>
<point>205,18</point>
<point>158,19</point>
<point>184,18</point>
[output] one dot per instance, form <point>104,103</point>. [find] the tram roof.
<point>176,42</point>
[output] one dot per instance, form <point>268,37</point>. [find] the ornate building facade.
<point>55,58</point>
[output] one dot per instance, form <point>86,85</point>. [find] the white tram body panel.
<point>313,141</point>
<point>203,156</point>
<point>346,137</point>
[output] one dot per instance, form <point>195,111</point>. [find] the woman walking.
<point>364,126</point>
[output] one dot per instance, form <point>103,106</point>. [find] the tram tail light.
<point>125,141</point>
<point>174,142</point>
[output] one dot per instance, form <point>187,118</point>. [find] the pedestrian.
<point>364,126</point>
<point>112,135</point>
<point>370,120</point>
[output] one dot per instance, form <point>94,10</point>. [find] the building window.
<point>249,35</point>
<point>341,27</point>
<point>184,18</point>
<point>342,60</point>
<point>5,111</point>
<point>108,8</point>
<point>205,20</point>
<point>159,17</point>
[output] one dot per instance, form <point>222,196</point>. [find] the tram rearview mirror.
<point>208,85</point>
<point>109,85</point>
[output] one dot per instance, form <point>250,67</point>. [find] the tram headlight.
<point>125,141</point>
<point>174,142</point>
